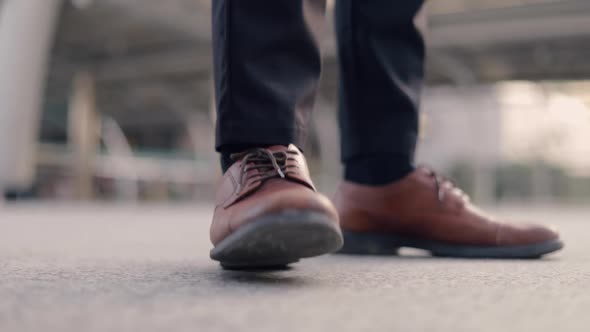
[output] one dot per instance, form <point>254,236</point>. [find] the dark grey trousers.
<point>267,66</point>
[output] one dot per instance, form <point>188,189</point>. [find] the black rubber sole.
<point>274,241</point>
<point>389,244</point>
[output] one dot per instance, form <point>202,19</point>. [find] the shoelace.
<point>269,164</point>
<point>440,181</point>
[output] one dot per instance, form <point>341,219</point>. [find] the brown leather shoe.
<point>268,212</point>
<point>427,212</point>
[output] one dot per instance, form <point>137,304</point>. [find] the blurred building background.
<point>127,108</point>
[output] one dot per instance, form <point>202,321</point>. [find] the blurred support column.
<point>117,145</point>
<point>26,35</point>
<point>83,134</point>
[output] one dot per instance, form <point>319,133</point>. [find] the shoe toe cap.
<point>526,233</point>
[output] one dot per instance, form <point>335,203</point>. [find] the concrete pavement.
<point>146,268</point>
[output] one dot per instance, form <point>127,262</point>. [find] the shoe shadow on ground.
<point>289,275</point>
<point>297,277</point>
<point>281,277</point>
<point>214,276</point>
<point>422,257</point>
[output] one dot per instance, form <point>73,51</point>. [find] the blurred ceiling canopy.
<point>137,47</point>
<point>484,40</point>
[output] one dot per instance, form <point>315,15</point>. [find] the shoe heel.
<point>368,244</point>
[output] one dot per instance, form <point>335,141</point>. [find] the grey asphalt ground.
<point>146,268</point>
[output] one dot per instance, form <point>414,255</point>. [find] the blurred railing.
<point>168,167</point>
<point>439,7</point>
<point>508,21</point>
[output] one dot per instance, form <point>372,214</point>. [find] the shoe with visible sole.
<point>426,211</point>
<point>277,240</point>
<point>268,213</point>
<point>389,244</point>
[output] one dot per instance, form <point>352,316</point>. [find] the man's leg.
<point>385,203</point>
<point>267,65</point>
<point>381,69</point>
